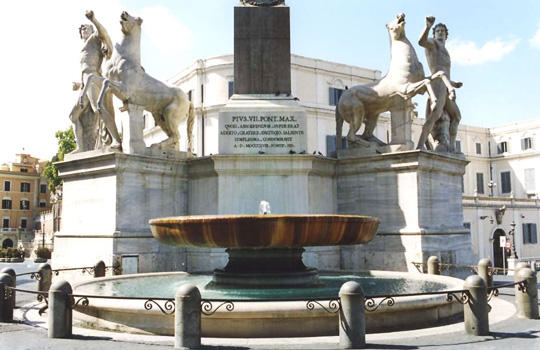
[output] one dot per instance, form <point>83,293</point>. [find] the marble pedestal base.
<point>417,197</point>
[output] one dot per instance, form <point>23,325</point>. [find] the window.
<point>506,186</point>
<point>458,146</point>
<point>529,234</point>
<point>24,170</point>
<point>334,94</point>
<point>7,186</point>
<point>530,185</point>
<point>25,186</point>
<point>43,188</point>
<point>190,95</point>
<point>526,143</point>
<point>467,225</point>
<point>6,203</point>
<point>479,183</point>
<point>462,184</point>
<point>331,144</point>
<point>23,223</point>
<point>42,204</point>
<point>478,148</point>
<point>5,223</point>
<point>502,147</point>
<point>25,204</point>
<point>231,88</point>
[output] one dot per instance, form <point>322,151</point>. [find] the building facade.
<point>500,195</point>
<point>24,194</point>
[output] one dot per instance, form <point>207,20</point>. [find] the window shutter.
<point>524,230</point>
<point>533,233</point>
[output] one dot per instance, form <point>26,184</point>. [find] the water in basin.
<point>165,286</point>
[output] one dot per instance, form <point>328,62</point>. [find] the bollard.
<point>485,271</point>
<point>60,312</point>
<point>6,305</point>
<point>433,267</point>
<point>352,321</point>
<point>99,269</point>
<point>519,266</point>
<point>475,311</point>
<point>13,275</point>
<point>187,317</point>
<point>45,278</point>
<point>527,302</point>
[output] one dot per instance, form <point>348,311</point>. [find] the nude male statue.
<point>438,59</point>
<point>97,46</point>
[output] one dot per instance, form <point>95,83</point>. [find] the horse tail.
<point>190,121</point>
<point>339,128</point>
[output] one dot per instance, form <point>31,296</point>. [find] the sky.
<point>494,46</point>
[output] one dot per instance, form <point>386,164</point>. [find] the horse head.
<point>396,28</point>
<point>129,23</point>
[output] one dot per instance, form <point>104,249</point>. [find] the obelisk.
<point>262,116</point>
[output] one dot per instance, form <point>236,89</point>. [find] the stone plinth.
<point>254,124</point>
<point>417,197</point>
<point>107,202</point>
<point>262,57</point>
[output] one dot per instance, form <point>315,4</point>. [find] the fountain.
<point>265,264</point>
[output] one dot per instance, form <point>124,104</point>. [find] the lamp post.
<point>511,233</point>
<point>491,186</point>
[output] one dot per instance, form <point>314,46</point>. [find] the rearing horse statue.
<point>128,81</point>
<point>405,78</point>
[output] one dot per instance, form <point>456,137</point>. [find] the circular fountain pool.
<point>275,317</point>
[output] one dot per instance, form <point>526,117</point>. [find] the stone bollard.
<point>433,267</point>
<point>485,271</point>
<point>519,266</point>
<point>99,269</point>
<point>475,311</point>
<point>187,317</point>
<point>13,275</point>
<point>527,303</point>
<point>60,311</point>
<point>352,321</point>
<point>45,278</point>
<point>6,305</point>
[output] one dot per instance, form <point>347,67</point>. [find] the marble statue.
<point>84,115</point>
<point>442,112</point>
<point>405,78</point>
<point>127,80</point>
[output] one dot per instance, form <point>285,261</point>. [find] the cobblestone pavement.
<point>513,333</point>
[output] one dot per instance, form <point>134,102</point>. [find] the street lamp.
<point>512,233</point>
<point>491,185</point>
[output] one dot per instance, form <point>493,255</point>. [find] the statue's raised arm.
<point>102,33</point>
<point>424,40</point>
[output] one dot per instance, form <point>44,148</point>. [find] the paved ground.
<point>512,333</point>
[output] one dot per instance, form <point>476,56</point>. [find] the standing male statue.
<point>438,59</point>
<point>97,46</point>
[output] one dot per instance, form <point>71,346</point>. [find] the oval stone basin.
<point>264,231</point>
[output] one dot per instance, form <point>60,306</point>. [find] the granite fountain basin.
<point>273,318</point>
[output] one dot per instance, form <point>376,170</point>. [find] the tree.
<point>66,144</point>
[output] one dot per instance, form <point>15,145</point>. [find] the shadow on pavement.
<point>88,337</point>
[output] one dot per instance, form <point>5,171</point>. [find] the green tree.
<point>66,144</point>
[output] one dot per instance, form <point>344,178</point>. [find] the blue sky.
<point>491,42</point>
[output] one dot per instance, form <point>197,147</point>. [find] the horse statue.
<point>127,80</point>
<point>405,78</point>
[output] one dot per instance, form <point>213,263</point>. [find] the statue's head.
<point>85,30</point>
<point>128,22</point>
<point>396,28</point>
<point>440,32</point>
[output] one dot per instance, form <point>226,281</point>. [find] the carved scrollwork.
<point>333,305</point>
<point>371,305</point>
<point>208,309</point>
<point>168,308</point>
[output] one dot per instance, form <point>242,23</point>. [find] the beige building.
<point>24,194</point>
<point>504,163</point>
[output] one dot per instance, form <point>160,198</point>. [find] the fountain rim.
<point>211,217</point>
